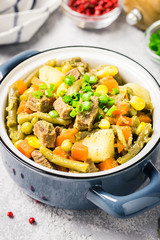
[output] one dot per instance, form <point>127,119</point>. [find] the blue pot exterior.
<point>70,193</point>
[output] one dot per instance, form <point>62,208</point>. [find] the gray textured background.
<point>58,224</point>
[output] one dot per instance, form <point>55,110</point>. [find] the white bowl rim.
<point>81,176</point>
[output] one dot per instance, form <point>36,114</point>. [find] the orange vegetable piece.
<point>23,109</point>
<point>66,134</point>
<point>122,109</point>
<point>107,164</point>
<point>21,85</point>
<point>35,87</point>
<point>79,151</point>
<point>36,81</point>
<point>124,121</point>
<point>120,146</point>
<point>25,148</point>
<point>127,132</point>
<point>144,118</point>
<point>109,82</point>
<point>59,151</point>
<point>110,119</point>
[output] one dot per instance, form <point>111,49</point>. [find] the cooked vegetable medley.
<point>72,118</point>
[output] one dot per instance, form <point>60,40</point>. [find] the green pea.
<point>26,128</point>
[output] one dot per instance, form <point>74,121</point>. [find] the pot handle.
<point>14,61</point>
<point>132,204</point>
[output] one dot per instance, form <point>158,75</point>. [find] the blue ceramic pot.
<point>112,190</point>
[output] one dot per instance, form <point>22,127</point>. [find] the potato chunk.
<point>100,145</point>
<point>50,75</point>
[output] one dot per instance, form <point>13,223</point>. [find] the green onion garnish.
<point>80,107</point>
<point>75,103</point>
<point>53,114</point>
<point>73,113</point>
<point>86,105</point>
<point>86,78</point>
<point>86,97</point>
<point>99,117</point>
<point>43,86</point>
<point>111,102</point>
<point>104,99</point>
<point>93,79</point>
<point>37,94</point>
<point>105,110</point>
<point>86,87</point>
<point>69,80</point>
<point>111,110</point>
<point>67,99</point>
<point>115,91</point>
<point>48,93</point>
<point>75,96</point>
<point>97,94</point>
<point>52,87</point>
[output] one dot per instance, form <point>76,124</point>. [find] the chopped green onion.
<point>69,80</point>
<point>86,97</point>
<point>111,102</point>
<point>99,117</point>
<point>86,105</point>
<point>75,96</point>
<point>73,113</point>
<point>104,99</point>
<point>80,107</point>
<point>86,87</point>
<point>111,110</point>
<point>66,99</point>
<point>74,103</point>
<point>93,80</point>
<point>62,93</point>
<point>48,93</point>
<point>115,91</point>
<point>52,87</point>
<point>43,86</point>
<point>105,110</point>
<point>37,94</point>
<point>97,94</point>
<point>90,93</point>
<point>53,114</point>
<point>86,78</point>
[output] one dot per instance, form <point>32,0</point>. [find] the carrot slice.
<point>36,81</point>
<point>107,164</point>
<point>23,109</point>
<point>79,151</point>
<point>66,134</point>
<point>25,148</point>
<point>109,82</point>
<point>127,132</point>
<point>122,109</point>
<point>21,85</point>
<point>59,151</point>
<point>124,121</point>
<point>120,146</point>
<point>144,118</point>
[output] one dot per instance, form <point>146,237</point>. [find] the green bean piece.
<point>43,116</point>
<point>75,87</point>
<point>12,106</point>
<point>64,162</point>
<point>28,79</point>
<point>138,145</point>
<point>16,134</point>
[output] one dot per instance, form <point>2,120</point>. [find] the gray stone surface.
<point>58,224</point>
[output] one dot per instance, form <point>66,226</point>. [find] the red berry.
<point>10,214</point>
<point>31,220</point>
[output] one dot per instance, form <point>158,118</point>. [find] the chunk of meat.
<point>84,120</point>
<point>62,108</point>
<point>46,133</point>
<point>36,104</point>
<point>40,159</point>
<point>75,73</point>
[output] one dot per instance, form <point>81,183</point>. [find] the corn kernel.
<point>104,124</point>
<point>140,127</point>
<point>107,71</point>
<point>34,142</point>
<point>51,62</point>
<point>59,68</point>
<point>62,87</point>
<point>102,89</point>
<point>67,67</point>
<point>137,103</point>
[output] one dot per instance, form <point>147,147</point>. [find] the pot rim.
<point>80,176</point>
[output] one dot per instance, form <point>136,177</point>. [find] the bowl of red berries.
<point>92,14</point>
